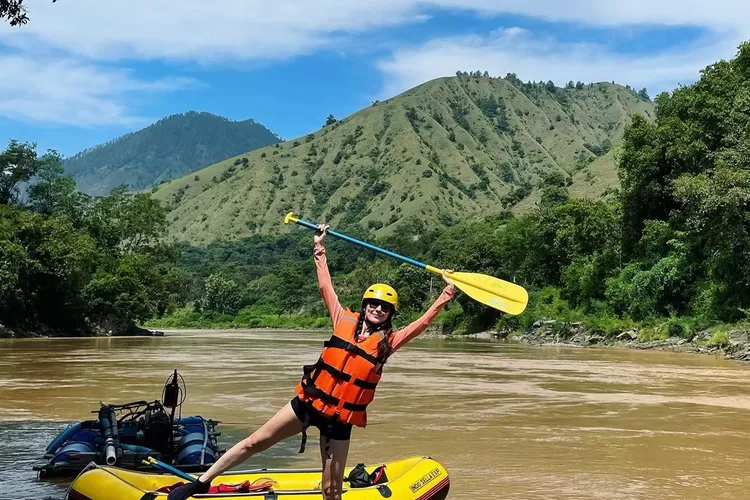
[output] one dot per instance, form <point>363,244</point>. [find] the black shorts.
<point>328,427</point>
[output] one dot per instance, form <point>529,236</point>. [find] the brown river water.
<point>507,420</point>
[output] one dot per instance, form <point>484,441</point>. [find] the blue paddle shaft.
<point>176,472</point>
<point>364,244</point>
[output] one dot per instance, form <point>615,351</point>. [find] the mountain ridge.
<point>172,146</point>
<point>444,150</point>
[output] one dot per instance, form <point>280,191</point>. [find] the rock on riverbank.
<point>551,333</point>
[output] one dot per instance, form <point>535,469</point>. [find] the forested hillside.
<point>447,150</point>
<point>170,148</point>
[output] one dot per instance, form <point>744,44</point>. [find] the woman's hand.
<point>321,233</point>
<point>188,490</point>
<point>450,285</point>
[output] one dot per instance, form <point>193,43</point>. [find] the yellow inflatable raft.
<point>414,478</point>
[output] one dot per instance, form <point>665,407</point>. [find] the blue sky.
<point>82,72</point>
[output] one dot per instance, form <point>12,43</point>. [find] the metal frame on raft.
<point>124,435</point>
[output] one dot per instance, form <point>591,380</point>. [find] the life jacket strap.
<point>305,425</point>
<point>339,375</point>
<point>331,400</point>
<point>339,343</point>
<point>365,385</point>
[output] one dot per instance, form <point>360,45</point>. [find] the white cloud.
<point>515,50</point>
<point>200,30</point>
<point>80,89</point>
<point>720,14</point>
<point>70,92</point>
<point>209,31</point>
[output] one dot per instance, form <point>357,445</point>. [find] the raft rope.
<point>205,443</point>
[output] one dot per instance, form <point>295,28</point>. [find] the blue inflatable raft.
<point>124,435</point>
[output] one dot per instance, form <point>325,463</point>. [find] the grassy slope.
<point>590,182</point>
<point>391,168</point>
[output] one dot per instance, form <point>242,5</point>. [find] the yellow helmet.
<point>380,291</point>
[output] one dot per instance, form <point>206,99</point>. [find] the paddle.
<point>161,465</point>
<point>494,292</point>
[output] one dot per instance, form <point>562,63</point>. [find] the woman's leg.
<point>333,467</point>
<point>281,426</point>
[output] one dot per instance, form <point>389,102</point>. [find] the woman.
<point>334,392</point>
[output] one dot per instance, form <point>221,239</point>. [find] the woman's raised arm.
<point>330,298</point>
<point>407,333</point>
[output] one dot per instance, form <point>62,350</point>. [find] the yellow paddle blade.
<point>494,292</point>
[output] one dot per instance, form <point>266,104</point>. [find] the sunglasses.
<point>374,304</point>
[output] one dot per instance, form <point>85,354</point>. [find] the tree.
<point>696,127</point>
<point>222,295</point>
<point>18,164</point>
<point>645,180</point>
<point>118,297</point>
<point>76,263</point>
<point>574,232</point>
<point>47,262</point>
<point>687,174</point>
<point>554,195</point>
<point>126,223</point>
<point>660,281</point>
<point>714,206</point>
<point>135,288</point>
<point>513,78</point>
<point>643,94</point>
<point>54,190</point>
<point>558,179</point>
<point>14,11</point>
<point>330,120</point>
<point>12,260</point>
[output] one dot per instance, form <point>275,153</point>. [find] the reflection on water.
<point>507,420</point>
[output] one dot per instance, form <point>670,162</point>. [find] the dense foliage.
<point>685,194</point>
<point>75,264</point>
<point>170,148</point>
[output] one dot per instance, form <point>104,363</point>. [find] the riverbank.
<point>100,330</point>
<point>728,341</point>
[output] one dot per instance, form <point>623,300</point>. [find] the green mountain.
<point>170,148</point>
<point>447,150</point>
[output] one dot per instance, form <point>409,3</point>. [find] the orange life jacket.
<point>342,382</point>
